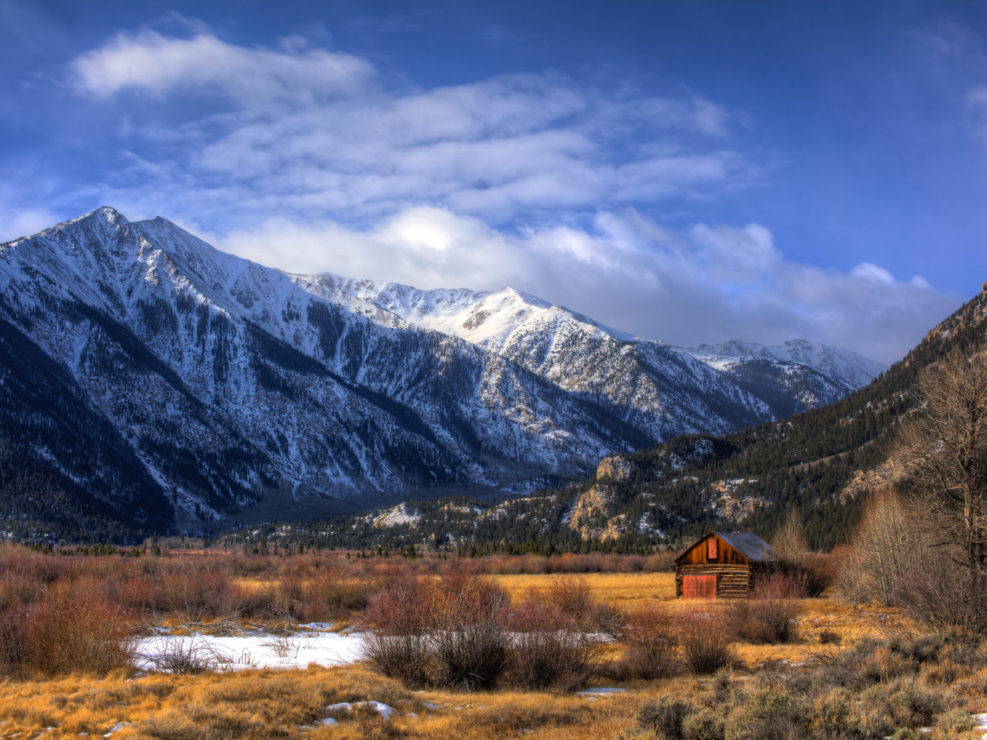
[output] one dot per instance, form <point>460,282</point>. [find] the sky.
<point>687,171</point>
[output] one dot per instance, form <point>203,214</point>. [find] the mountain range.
<point>823,464</point>
<point>149,382</point>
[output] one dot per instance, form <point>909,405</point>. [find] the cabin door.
<point>699,587</point>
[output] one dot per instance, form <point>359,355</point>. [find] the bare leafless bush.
<point>13,637</point>
<point>461,632</point>
<point>816,572</point>
<point>199,590</point>
<point>408,606</point>
<point>471,656</point>
<point>410,658</point>
<point>73,629</point>
<point>769,615</point>
<point>547,649</point>
<point>185,657</point>
<point>704,640</point>
<point>572,596</point>
<point>470,640</point>
<point>339,594</point>
<point>650,644</point>
<point>934,590</point>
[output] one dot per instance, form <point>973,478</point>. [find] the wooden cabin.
<point>723,565</point>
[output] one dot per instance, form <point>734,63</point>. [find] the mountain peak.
<point>102,215</point>
<point>844,364</point>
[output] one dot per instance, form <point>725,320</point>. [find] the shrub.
<point>197,590</point>
<point>913,705</point>
<point>704,641</point>
<point>406,607</point>
<point>704,724</point>
<point>768,713</point>
<point>573,597</point>
<point>769,615</point>
<point>649,641</point>
<point>816,573</point>
<point>471,657</point>
<point>185,657</point>
<point>470,641</point>
<point>833,715</point>
<point>546,648</point>
<point>664,718</point>
<point>73,629</point>
<point>13,636</point>
<point>448,634</point>
<point>18,588</point>
<point>339,595</point>
<point>955,722</point>
<point>408,658</point>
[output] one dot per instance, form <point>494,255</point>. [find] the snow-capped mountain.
<point>146,378</point>
<point>658,388</point>
<point>793,377</point>
<point>839,364</point>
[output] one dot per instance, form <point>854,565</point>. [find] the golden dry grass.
<point>629,591</point>
<point>624,590</point>
<point>269,703</point>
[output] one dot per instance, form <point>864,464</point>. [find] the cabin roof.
<point>747,544</point>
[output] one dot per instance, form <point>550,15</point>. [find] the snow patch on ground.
<point>384,710</point>
<point>167,653</point>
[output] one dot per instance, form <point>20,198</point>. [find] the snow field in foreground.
<point>175,653</point>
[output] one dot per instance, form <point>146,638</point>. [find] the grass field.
<point>272,703</point>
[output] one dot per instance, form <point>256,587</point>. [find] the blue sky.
<point>688,171</point>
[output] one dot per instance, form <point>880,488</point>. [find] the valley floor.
<point>353,700</point>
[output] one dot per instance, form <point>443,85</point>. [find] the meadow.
<point>566,647</point>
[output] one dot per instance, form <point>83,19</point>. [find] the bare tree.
<point>944,446</point>
<point>789,539</point>
<point>886,545</point>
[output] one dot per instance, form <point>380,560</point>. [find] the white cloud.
<point>316,133</point>
<point>308,160</point>
<point>707,283</point>
<point>159,64</point>
<point>18,222</point>
<point>867,271</point>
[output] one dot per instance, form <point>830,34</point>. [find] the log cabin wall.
<point>735,572</point>
<point>732,581</point>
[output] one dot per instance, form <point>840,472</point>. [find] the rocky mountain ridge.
<point>150,382</point>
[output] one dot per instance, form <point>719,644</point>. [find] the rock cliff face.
<point>151,381</point>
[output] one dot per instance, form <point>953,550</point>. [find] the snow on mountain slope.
<point>228,379</point>
<point>839,364</point>
<point>658,388</point>
<point>219,383</point>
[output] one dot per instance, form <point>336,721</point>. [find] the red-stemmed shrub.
<point>547,648</point>
<point>704,639</point>
<point>769,615</point>
<point>650,644</point>
<point>74,630</point>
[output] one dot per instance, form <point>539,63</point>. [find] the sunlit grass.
<point>275,703</point>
